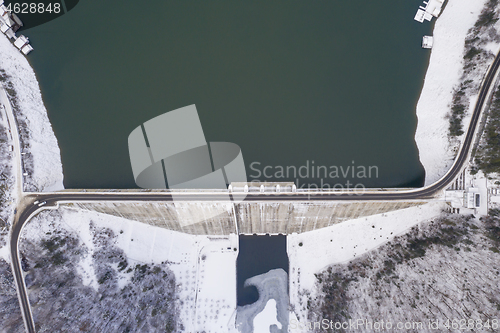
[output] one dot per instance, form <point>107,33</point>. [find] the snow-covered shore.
<point>444,74</point>
<point>43,158</point>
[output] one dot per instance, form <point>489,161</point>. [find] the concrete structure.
<point>26,49</point>
<point>427,42</point>
<point>21,41</point>
<point>432,9</point>
<point>7,30</point>
<point>469,194</point>
<point>246,217</point>
<point>472,198</point>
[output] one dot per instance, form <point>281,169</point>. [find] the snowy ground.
<point>204,267</point>
<point>266,318</point>
<point>42,159</point>
<point>443,75</point>
<point>444,271</point>
<point>10,314</point>
<point>494,191</point>
<point>311,252</point>
<point>7,183</point>
<point>260,315</point>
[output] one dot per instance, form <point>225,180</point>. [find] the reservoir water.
<point>293,83</point>
<point>258,254</point>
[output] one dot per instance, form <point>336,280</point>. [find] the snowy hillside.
<point>443,270</point>
<point>466,39</point>
<point>42,160</point>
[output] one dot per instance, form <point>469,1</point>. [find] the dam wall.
<point>212,218</point>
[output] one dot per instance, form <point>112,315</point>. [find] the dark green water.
<point>328,81</point>
<point>258,255</point>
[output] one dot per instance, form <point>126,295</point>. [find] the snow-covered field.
<point>204,267</point>
<point>10,314</point>
<point>311,252</point>
<point>7,181</point>
<point>38,138</point>
<point>444,74</point>
<point>444,271</point>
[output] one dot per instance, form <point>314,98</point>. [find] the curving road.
<point>52,199</point>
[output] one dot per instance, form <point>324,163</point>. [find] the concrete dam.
<point>253,217</point>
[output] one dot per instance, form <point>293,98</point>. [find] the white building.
<point>10,19</point>
<point>3,9</point>
<point>432,9</point>
<point>5,29</point>
<point>21,41</point>
<point>427,42</point>
<point>26,49</point>
<point>472,198</point>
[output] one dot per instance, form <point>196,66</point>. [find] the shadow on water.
<point>258,255</point>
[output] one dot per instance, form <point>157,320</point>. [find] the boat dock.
<point>431,9</point>
<point>427,42</point>
<point>9,25</point>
